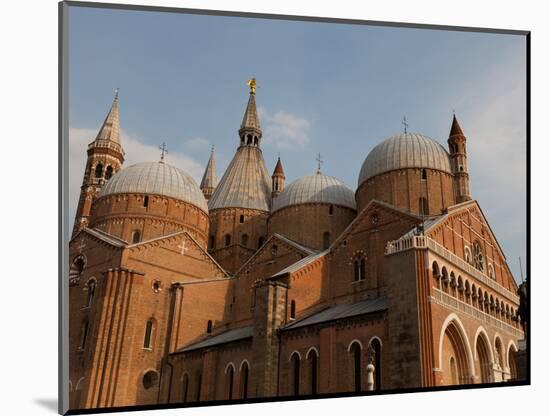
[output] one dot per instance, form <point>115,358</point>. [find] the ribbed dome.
<point>156,178</point>
<point>315,188</point>
<point>407,150</point>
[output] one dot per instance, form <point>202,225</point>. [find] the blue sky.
<point>336,89</point>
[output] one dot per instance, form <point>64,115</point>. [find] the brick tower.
<point>459,162</point>
<point>105,158</point>
<point>277,179</point>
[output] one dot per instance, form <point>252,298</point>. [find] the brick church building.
<point>252,287</point>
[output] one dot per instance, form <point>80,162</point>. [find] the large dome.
<point>156,178</point>
<point>407,150</point>
<point>317,188</point>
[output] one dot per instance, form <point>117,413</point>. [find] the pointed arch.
<point>354,341</point>
<point>484,356</point>
<point>244,376</point>
<point>458,336</point>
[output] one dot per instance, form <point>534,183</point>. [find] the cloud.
<point>284,130</point>
<point>136,151</point>
<point>197,143</point>
<point>497,147</point>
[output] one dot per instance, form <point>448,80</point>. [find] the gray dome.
<point>156,178</point>
<point>407,150</point>
<point>315,188</point>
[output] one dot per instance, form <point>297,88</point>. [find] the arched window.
<point>293,310</point>
<point>491,271</point>
<point>212,242</point>
<point>478,256</point>
<point>377,361</point>
<point>467,255</point>
<point>135,237</point>
<point>227,239</point>
<point>331,210</point>
<point>244,380</point>
<point>84,333</point>
<point>249,139</point>
<point>148,337</point>
<point>90,287</point>
<point>424,175</point>
<point>326,240</point>
<point>108,172</point>
<point>244,240</point>
<point>185,387</point>
<point>423,206</point>
<point>99,170</point>
<point>150,379</point>
<point>255,141</point>
<point>241,219</point>
<point>356,359</point>
<point>260,241</point>
<point>146,201</point>
<point>359,269</point>
<point>230,376</point>
<point>209,327</point>
<point>295,362</point>
<point>313,360</point>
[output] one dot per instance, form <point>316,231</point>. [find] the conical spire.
<point>250,131</point>
<point>456,130</point>
<point>209,179</point>
<point>279,168</point>
<point>110,130</point>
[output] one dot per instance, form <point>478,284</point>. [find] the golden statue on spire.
<point>252,84</point>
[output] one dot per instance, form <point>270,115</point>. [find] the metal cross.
<point>163,151</point>
<point>81,246</point>
<point>405,124</point>
<point>183,248</point>
<point>319,162</point>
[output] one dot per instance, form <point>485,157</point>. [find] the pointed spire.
<point>110,130</point>
<point>250,131</point>
<point>250,118</point>
<point>456,130</point>
<point>209,179</point>
<point>279,168</point>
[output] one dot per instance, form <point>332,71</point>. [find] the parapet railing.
<point>410,242</point>
<point>447,300</point>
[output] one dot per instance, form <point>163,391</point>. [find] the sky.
<point>333,89</point>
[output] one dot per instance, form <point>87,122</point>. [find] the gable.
<point>177,254</point>
<point>267,261</point>
<point>462,226</point>
<point>376,214</point>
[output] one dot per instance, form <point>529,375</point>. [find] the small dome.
<point>315,188</point>
<point>407,150</point>
<point>156,178</point>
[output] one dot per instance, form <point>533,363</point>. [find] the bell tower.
<point>277,180</point>
<point>459,162</point>
<point>105,158</point>
<point>250,131</point>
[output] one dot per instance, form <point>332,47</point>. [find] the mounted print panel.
<point>280,208</point>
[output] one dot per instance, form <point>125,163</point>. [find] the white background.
<point>28,203</point>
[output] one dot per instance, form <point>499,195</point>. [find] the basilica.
<point>255,286</point>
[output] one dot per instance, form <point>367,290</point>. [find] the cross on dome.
<point>163,151</point>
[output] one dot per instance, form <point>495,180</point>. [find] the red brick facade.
<point>189,314</point>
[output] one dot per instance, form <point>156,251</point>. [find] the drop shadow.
<point>49,403</point>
